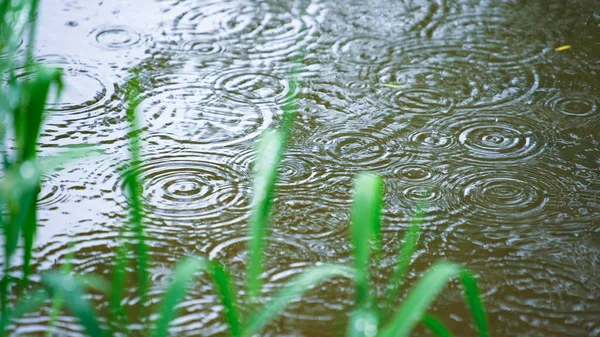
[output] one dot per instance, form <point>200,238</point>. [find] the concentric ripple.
<point>433,81</point>
<point>502,37</point>
<point>117,37</point>
<point>242,28</point>
<point>299,170</point>
<point>187,110</point>
<point>280,253</point>
<point>86,94</point>
<point>243,85</point>
<point>576,106</point>
<point>502,196</point>
<point>487,139</point>
<point>402,18</point>
<point>52,193</point>
<point>359,148</point>
<point>191,187</point>
<point>363,50</point>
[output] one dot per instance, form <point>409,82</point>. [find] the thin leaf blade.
<point>269,155</point>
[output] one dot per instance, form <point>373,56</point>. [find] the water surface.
<point>485,121</point>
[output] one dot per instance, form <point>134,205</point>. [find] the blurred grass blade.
<point>119,279</point>
<point>291,292</point>
<point>270,150</point>
<point>290,106</point>
<point>227,295</point>
<point>363,323</point>
<point>25,305</point>
<point>436,326</point>
<point>419,298</point>
<point>133,187</point>
<point>184,273</point>
<point>28,119</point>
<point>405,256</point>
<point>57,301</point>
<point>71,291</point>
<point>365,225</point>
<point>473,298</point>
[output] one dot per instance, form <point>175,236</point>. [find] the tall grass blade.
<point>28,121</point>
<point>133,186</point>
<point>420,297</point>
<point>363,323</point>
<point>183,275</point>
<point>57,301</point>
<point>365,225</point>
<point>68,288</point>
<point>473,298</point>
<point>119,279</point>
<point>404,258</point>
<point>270,150</point>
<point>436,326</point>
<point>292,291</point>
<point>227,295</point>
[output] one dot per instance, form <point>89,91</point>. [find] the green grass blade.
<point>291,292</point>
<point>365,225</point>
<point>119,279</point>
<point>405,256</point>
<point>133,187</point>
<point>57,301</point>
<point>183,275</point>
<point>436,326</point>
<point>227,295</point>
<point>419,298</point>
<point>270,150</point>
<point>71,291</point>
<point>363,323</point>
<point>28,119</point>
<point>473,298</point>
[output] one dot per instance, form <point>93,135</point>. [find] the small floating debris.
<point>393,86</point>
<point>561,48</point>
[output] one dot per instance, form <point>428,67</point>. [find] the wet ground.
<point>463,104</point>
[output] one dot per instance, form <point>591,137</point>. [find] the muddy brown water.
<point>485,121</point>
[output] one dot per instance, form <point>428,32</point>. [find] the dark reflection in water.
<point>463,104</point>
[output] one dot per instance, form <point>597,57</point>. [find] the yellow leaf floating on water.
<point>561,48</point>
<point>393,86</point>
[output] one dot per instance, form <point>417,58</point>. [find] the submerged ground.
<point>463,104</point>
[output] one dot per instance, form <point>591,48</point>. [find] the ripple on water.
<point>503,198</point>
<point>280,253</point>
<point>490,139</point>
<point>364,50</point>
<point>541,289</point>
<point>573,107</point>
<point>299,171</point>
<point>360,147</point>
<point>436,80</point>
<point>86,94</point>
<point>117,37</point>
<point>186,109</point>
<point>190,188</point>
<point>53,192</point>
<point>503,37</point>
<point>380,18</point>
<point>244,28</point>
<point>95,253</point>
<point>250,85</point>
